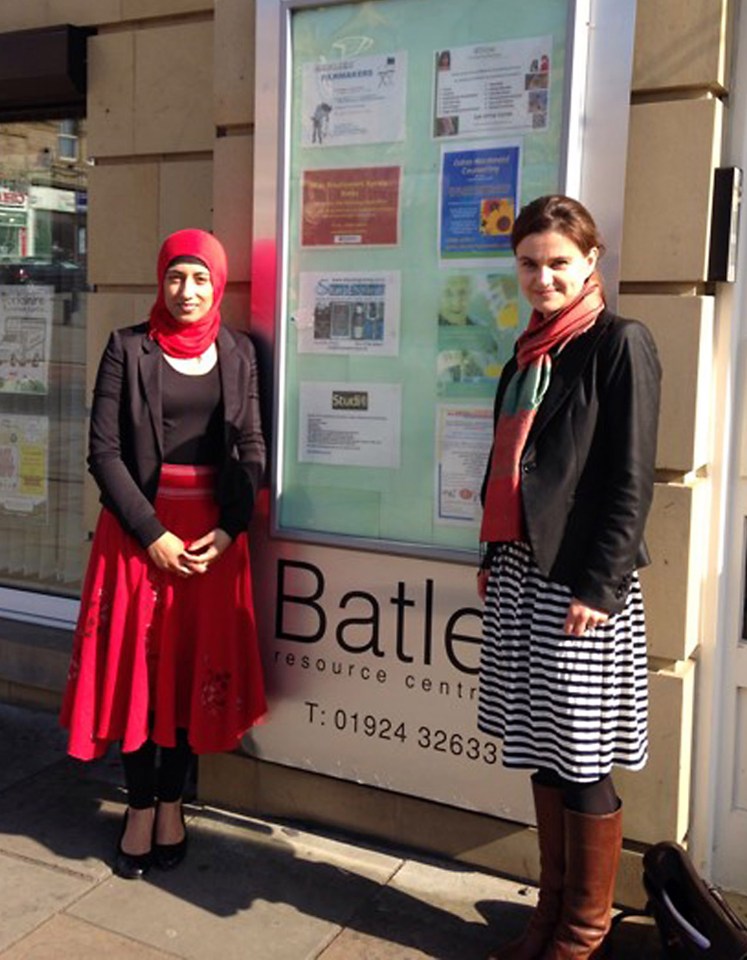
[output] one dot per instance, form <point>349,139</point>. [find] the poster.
<point>354,101</point>
<point>486,88</point>
<point>353,206</point>
<point>24,445</point>
<point>346,424</point>
<point>25,337</point>
<point>471,298</point>
<point>478,202</point>
<point>349,313</point>
<point>463,438</point>
<point>478,322</point>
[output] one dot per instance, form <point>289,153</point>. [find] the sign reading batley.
<point>372,662</point>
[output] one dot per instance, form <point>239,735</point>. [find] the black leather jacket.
<point>125,449</point>
<point>587,469</point>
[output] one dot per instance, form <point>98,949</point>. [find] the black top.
<point>192,417</point>
<point>125,449</point>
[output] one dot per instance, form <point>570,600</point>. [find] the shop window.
<point>43,293</point>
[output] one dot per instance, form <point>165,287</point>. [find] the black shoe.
<point>168,856</point>
<point>131,866</point>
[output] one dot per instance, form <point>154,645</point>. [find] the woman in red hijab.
<point>165,658</point>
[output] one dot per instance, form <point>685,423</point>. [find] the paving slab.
<point>63,817</point>
<point>429,910</point>
<point>65,938</point>
<point>30,894</point>
<point>29,742</point>
<point>244,888</point>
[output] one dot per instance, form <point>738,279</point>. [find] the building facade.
<point>167,140</point>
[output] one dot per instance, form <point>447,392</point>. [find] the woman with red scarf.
<point>165,658</point>
<point>563,676</point>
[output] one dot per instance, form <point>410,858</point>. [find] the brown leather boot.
<point>548,803</point>
<point>593,846</point>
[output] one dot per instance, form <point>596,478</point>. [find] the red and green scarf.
<point>502,515</point>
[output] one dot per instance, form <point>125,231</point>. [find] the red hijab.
<point>175,337</point>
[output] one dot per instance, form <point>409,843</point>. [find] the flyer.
<point>463,438</point>
<point>470,298</point>
<point>479,198</point>
<point>25,336</point>
<point>478,323</point>
<point>24,445</point>
<point>349,313</point>
<point>346,424</point>
<point>355,101</point>
<point>486,88</point>
<point>350,206</point>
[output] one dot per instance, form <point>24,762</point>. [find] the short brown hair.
<point>561,214</point>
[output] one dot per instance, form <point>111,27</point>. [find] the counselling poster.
<point>479,200</point>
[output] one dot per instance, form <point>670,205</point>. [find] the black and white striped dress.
<point>576,705</point>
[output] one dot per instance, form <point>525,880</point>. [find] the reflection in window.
<point>43,195</point>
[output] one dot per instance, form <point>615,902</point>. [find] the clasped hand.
<point>171,554</point>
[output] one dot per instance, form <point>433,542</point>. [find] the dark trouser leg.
<point>133,856</point>
<point>170,849</point>
<point>140,775</point>
<point>173,769</point>
<point>596,798</point>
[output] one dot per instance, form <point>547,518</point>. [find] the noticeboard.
<point>414,130</point>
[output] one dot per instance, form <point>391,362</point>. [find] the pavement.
<point>249,889</point>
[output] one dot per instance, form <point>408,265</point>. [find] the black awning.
<point>43,71</point>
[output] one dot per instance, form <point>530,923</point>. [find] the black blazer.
<point>587,469</point>
<point>126,436</point>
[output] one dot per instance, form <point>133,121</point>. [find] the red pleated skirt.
<point>154,652</point>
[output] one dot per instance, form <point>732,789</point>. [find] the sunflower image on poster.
<point>496,216</point>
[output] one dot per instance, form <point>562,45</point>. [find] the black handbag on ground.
<point>693,919</point>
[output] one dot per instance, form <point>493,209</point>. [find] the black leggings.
<point>595,798</point>
<point>148,780</point>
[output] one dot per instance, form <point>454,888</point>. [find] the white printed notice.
<point>360,100</point>
<point>350,425</point>
<point>25,337</point>
<point>349,313</point>
<point>487,88</point>
<point>463,438</point>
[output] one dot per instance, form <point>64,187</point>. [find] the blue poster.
<point>479,201</point>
